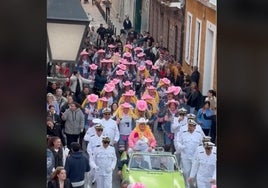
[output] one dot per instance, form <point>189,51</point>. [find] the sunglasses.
<point>106,142</point>
<point>107,114</point>
<point>208,148</point>
<point>99,129</point>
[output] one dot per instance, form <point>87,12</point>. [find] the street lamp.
<point>67,25</point>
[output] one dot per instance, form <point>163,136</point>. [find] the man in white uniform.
<point>187,143</point>
<point>95,140</point>
<point>104,161</point>
<point>110,126</point>
<point>204,167</point>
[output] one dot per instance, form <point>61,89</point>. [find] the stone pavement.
<point>94,15</point>
<point>97,18</point>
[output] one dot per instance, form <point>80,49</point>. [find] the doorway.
<point>209,60</point>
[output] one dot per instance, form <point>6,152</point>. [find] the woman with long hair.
<point>58,179</point>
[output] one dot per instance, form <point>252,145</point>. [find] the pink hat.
<point>176,89</point>
<point>104,60</point>
<point>131,92</point>
<point>151,88</point>
<point>155,67</point>
<point>111,46</point>
<point>110,84</point>
<point>173,101</point>
<point>127,83</point>
<point>92,98</point>
<point>170,90</point>
<point>101,51</point>
<point>121,60</point>
<point>126,105</point>
<point>128,46</point>
<point>93,66</point>
<point>108,88</point>
<point>149,62</point>
<point>138,48</point>
<point>122,67</point>
<point>146,97</point>
<point>148,80</point>
<point>165,81</point>
<point>133,63</point>
<point>115,81</point>
<point>138,185</point>
<point>109,61</point>
<point>104,99</point>
<point>127,54</point>
<point>141,54</point>
<point>83,53</point>
<point>128,93</point>
<point>141,105</point>
<point>117,54</point>
<point>120,72</point>
<point>141,68</point>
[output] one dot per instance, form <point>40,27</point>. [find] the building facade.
<point>166,25</point>
<point>137,10</point>
<point>200,31</point>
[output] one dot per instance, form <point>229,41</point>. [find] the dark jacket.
<point>127,25</point>
<point>56,131</point>
<point>99,82</point>
<point>76,165</point>
<point>55,184</point>
<point>194,99</point>
<point>58,156</point>
<point>195,77</point>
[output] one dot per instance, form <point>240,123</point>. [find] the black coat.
<point>56,131</point>
<point>127,25</point>
<point>55,184</point>
<point>195,76</point>
<point>58,156</point>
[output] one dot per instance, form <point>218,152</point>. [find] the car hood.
<point>153,179</point>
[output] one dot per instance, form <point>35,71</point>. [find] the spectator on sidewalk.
<point>127,24</point>
<point>195,76</point>
<point>77,166</point>
<point>101,31</point>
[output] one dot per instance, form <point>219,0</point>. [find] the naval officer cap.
<point>182,110</point>
<point>96,120</point>
<point>191,116</point>
<point>206,139</point>
<point>99,126</point>
<point>191,122</point>
<point>209,144</point>
<point>105,139</point>
<point>106,110</point>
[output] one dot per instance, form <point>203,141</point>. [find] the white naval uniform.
<point>104,161</point>
<point>186,145</point>
<point>93,142</point>
<point>197,128</point>
<point>110,129</point>
<point>91,131</point>
<point>201,148</point>
<point>176,125</point>
<point>204,168</point>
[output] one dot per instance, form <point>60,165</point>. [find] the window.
<point>188,37</point>
<point>197,42</point>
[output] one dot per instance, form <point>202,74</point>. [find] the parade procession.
<point>128,112</point>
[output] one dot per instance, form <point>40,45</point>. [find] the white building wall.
<point>145,15</point>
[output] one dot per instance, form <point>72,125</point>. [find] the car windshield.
<point>153,162</point>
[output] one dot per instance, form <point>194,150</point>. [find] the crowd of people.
<point>124,92</point>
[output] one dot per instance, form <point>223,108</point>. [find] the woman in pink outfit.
<point>141,138</point>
